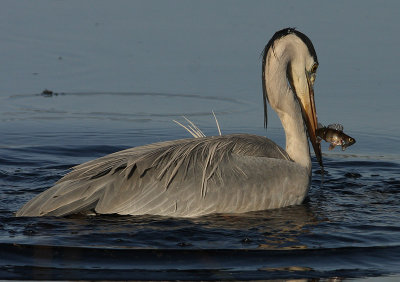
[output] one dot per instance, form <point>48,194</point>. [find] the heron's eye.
<point>314,68</point>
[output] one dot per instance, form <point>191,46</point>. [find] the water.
<point>122,72</point>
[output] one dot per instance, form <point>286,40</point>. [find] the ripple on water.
<point>351,218</point>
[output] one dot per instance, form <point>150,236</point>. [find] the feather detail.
<point>102,184</point>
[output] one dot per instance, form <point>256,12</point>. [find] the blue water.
<point>122,72</point>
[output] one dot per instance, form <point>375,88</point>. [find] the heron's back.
<point>187,177</point>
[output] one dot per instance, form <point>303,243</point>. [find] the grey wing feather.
<point>133,181</point>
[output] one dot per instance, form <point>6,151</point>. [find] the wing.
<point>336,126</point>
<point>152,179</point>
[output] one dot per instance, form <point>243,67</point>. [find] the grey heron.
<point>219,174</point>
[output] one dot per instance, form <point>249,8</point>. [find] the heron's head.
<point>289,69</point>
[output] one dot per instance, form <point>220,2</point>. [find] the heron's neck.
<point>296,136</point>
<point>284,102</point>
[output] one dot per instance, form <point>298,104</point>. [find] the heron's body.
<point>191,177</point>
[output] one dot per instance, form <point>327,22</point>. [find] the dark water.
<point>121,74</point>
<point>348,227</point>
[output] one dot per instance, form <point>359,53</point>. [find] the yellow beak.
<point>310,116</point>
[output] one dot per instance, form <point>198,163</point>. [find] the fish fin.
<point>336,126</point>
<point>331,147</point>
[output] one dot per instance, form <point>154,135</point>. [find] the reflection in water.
<point>281,229</point>
<point>275,229</point>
